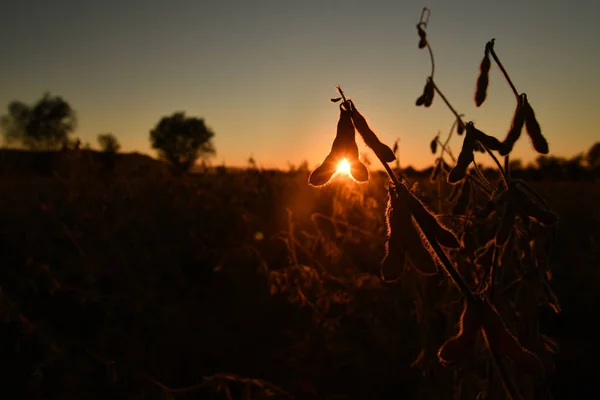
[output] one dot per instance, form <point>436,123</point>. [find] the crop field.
<point>124,276</point>
<point>254,284</point>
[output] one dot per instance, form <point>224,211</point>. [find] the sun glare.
<point>343,167</point>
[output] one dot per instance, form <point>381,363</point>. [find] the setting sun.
<point>343,167</point>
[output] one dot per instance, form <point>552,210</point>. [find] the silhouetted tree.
<point>551,167</point>
<point>593,155</point>
<point>559,168</point>
<point>180,140</point>
<point>574,168</point>
<point>108,143</point>
<point>44,126</point>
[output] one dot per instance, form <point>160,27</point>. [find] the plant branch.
<point>497,60</point>
<point>456,114</point>
<point>444,260</point>
<point>445,150</point>
<point>509,384</point>
<point>504,177</point>
<point>441,255</point>
<point>448,266</point>
<point>481,185</point>
<point>507,379</point>
<point>439,252</point>
<point>492,274</point>
<point>448,138</point>
<point>432,61</point>
<point>484,181</point>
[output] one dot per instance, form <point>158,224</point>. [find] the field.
<point>252,284</point>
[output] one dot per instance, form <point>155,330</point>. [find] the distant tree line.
<point>180,140</point>
<point>585,166</point>
<point>48,125</point>
<point>580,167</point>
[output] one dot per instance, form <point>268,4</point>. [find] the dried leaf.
<point>464,158</point>
<point>484,78</point>
<point>515,129</point>
<point>550,344</point>
<point>478,147</point>
<point>433,145</point>
<point>533,210</point>
<point>468,242</point>
<point>430,224</point>
<point>460,127</point>
<point>436,171</point>
<point>502,341</point>
<point>484,256</point>
<point>429,92</point>
<point>458,347</point>
<point>485,211</point>
<point>344,146</point>
<point>381,150</point>
<point>359,171</point>
<point>552,298</point>
<point>419,255</point>
<point>398,222</point>
<point>323,173</point>
<point>422,36</point>
<point>454,193</point>
<point>506,224</point>
<point>533,129</point>
<point>464,198</point>
<point>488,141</point>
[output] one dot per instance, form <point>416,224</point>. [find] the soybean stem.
<point>448,266</point>
<point>432,61</point>
<point>504,177</point>
<point>483,179</point>
<point>509,384</point>
<point>458,118</point>
<point>497,60</point>
<point>446,263</point>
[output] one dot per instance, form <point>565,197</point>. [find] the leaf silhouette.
<point>381,150</point>
<point>344,146</point>
<point>483,79</point>
<point>458,347</point>
<point>515,128</point>
<point>533,129</point>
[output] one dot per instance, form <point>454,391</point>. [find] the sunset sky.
<point>261,73</point>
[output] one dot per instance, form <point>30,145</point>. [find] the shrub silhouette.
<point>180,140</point>
<point>593,156</point>
<point>44,126</point>
<point>109,143</point>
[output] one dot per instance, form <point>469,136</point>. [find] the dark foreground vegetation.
<point>250,285</point>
